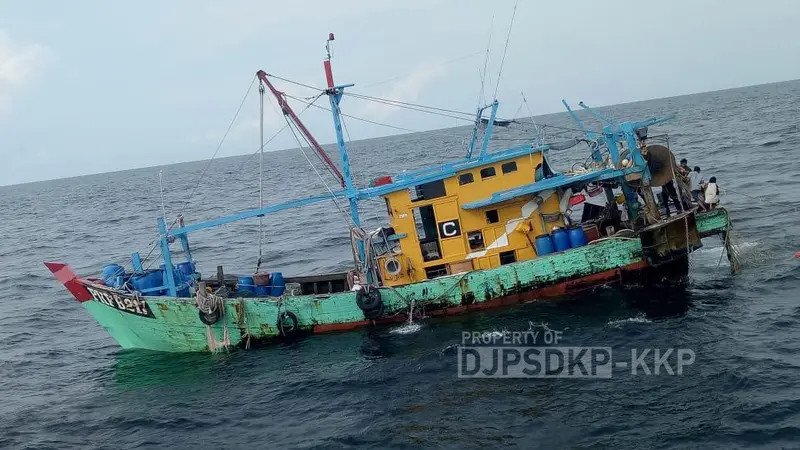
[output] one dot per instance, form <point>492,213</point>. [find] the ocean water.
<point>64,383</point>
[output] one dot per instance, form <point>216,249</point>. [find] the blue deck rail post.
<point>596,156</point>
<point>136,263</point>
<point>489,127</point>
<point>168,269</point>
<point>187,251</point>
<point>474,136</point>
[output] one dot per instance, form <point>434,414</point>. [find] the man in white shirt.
<point>695,180</point>
<point>711,193</point>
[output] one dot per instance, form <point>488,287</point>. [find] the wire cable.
<point>508,38</point>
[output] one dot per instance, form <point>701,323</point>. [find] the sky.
<point>98,86</point>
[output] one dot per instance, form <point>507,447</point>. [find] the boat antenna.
<point>260,169</point>
<point>484,73</point>
<point>503,59</point>
<point>161,188</point>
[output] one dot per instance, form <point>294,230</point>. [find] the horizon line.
<point>378,137</point>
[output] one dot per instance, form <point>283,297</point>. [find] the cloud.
<point>407,89</point>
<point>19,63</point>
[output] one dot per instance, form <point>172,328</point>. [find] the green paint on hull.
<point>176,326</point>
<point>713,222</point>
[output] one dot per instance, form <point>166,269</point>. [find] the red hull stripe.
<point>556,290</point>
<point>67,277</point>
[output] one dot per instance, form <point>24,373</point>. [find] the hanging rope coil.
<point>212,309</point>
<point>369,264</point>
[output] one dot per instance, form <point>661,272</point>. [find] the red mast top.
<point>327,62</point>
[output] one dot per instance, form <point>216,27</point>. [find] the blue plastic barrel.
<point>183,292</point>
<point>278,284</point>
<point>261,279</point>
<point>263,290</point>
<point>111,272</point>
<point>246,284</point>
<point>560,239</point>
<point>577,237</point>
<point>148,280</point>
<point>186,268</point>
<point>117,282</point>
<point>544,245</point>
<point>180,276</point>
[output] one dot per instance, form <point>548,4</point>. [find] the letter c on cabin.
<point>449,229</point>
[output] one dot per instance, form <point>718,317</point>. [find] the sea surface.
<point>64,383</point>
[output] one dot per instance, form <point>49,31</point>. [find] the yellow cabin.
<point>442,226</point>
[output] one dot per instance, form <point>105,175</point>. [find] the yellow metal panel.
<point>510,212</point>
<point>484,263</point>
<point>452,248</point>
<point>526,253</point>
<point>446,210</point>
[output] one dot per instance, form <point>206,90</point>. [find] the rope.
<point>243,322</point>
<point>333,196</point>
<point>208,303</point>
<point>408,130</point>
<point>733,253</point>
<point>414,106</point>
<point>219,146</point>
<point>308,105</point>
<point>272,75</point>
<point>484,74</point>
<point>781,204</point>
<point>368,265</point>
<point>508,38</point>
<point>260,172</point>
<point>154,243</point>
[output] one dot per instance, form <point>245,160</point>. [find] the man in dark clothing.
<point>668,191</point>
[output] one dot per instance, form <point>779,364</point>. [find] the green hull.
<point>174,324</point>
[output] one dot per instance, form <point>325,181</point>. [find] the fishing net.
<point>743,251</point>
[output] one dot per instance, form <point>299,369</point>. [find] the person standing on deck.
<point>683,169</point>
<point>695,181</point>
<point>668,192</point>
<point>683,182</point>
<point>712,193</point>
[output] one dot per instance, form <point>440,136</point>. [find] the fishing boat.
<point>490,230</point>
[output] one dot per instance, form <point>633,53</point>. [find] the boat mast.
<point>335,96</point>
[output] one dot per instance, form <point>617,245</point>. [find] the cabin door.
<point>449,227</point>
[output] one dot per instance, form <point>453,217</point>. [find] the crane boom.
<point>287,110</point>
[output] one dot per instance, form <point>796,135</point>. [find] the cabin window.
<point>475,239</point>
<point>465,178</point>
<point>507,257</point>
<point>436,271</point>
<point>492,216</point>
<point>425,222</point>
<point>488,172</point>
<point>388,207</point>
<point>427,191</point>
<point>427,234</point>
<point>430,250</point>
<point>509,167</point>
